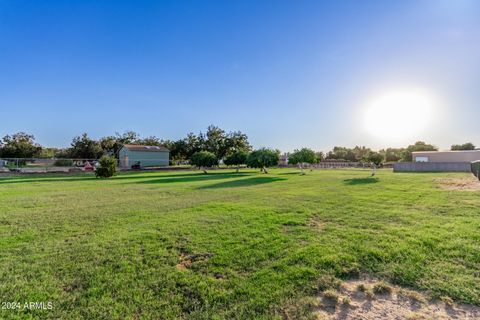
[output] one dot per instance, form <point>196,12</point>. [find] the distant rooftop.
<point>137,147</point>
<point>447,151</point>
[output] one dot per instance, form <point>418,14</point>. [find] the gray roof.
<point>137,147</point>
<point>449,151</point>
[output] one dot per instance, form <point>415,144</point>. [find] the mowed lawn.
<point>225,245</point>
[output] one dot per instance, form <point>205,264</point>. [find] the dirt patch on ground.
<point>187,260</point>
<point>469,183</point>
<point>316,223</point>
<point>369,299</point>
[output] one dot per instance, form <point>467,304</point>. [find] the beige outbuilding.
<point>446,156</point>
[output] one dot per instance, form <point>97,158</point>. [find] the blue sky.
<point>287,73</point>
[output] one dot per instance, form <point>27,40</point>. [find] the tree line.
<point>358,153</point>
<point>215,140</point>
<point>231,147</point>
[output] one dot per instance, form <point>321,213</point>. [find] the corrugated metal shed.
<point>145,156</point>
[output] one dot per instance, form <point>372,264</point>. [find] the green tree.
<point>263,159</point>
<point>418,146</point>
<point>47,152</point>
<point>465,146</point>
<point>236,159</point>
<point>19,145</point>
<point>376,159</point>
<point>178,150</point>
<point>110,145</point>
<point>150,141</point>
<point>193,144</point>
<point>128,137</point>
<point>214,141</point>
<point>83,147</point>
<point>62,153</point>
<point>348,154</point>
<point>360,152</point>
<point>204,159</point>
<point>237,141</point>
<point>301,157</point>
<point>320,156</point>
<point>107,168</point>
<point>393,154</point>
<point>338,153</point>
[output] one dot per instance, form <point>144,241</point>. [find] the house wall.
<point>147,158</point>
<point>448,156</point>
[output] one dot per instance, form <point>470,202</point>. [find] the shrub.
<point>63,163</point>
<point>107,168</point>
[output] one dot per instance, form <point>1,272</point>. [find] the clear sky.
<point>287,73</point>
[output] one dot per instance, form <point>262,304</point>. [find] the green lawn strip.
<point>254,244</point>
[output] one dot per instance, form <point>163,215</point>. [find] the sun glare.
<point>397,116</point>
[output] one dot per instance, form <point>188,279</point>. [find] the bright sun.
<point>399,115</point>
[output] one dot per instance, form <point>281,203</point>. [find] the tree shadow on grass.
<point>290,173</point>
<point>138,174</point>
<point>192,178</point>
<point>141,175</point>
<point>242,182</point>
<point>360,181</point>
<point>65,177</point>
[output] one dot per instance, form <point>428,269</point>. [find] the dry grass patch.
<point>413,295</point>
<point>187,260</point>
<point>468,183</point>
<point>367,291</point>
<point>331,296</point>
<point>390,303</point>
<point>447,300</point>
<point>316,223</point>
<point>382,288</point>
<point>326,282</point>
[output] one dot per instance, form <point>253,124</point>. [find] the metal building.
<point>143,156</point>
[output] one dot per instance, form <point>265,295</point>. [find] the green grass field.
<point>225,245</point>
